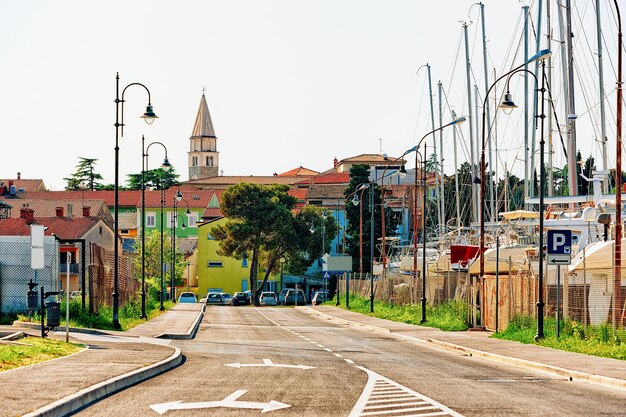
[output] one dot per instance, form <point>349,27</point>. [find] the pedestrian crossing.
<point>386,398</point>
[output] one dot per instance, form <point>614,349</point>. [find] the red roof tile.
<point>63,227</point>
<point>299,193</point>
<point>299,172</point>
<point>330,178</point>
<point>195,198</point>
<point>126,198</point>
<point>212,213</point>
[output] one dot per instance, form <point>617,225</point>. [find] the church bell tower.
<point>203,157</point>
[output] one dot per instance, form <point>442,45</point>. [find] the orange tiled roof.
<point>299,172</point>
<point>26,185</point>
<point>126,198</point>
<point>329,178</point>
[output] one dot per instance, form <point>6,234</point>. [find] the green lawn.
<point>32,350</point>
<point>449,316</point>
<point>596,341</point>
<point>128,315</point>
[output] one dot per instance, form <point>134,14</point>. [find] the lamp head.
<point>149,115</point>
<point>508,104</point>
<point>312,229</point>
<point>355,200</point>
<point>187,211</point>
<point>458,121</point>
<point>540,56</point>
<point>402,172</point>
<point>324,215</point>
<point>183,226</point>
<point>166,166</point>
<point>179,195</point>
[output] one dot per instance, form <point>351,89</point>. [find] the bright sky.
<point>288,83</point>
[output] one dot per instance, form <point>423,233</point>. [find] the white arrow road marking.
<point>228,402</point>
<point>268,362</point>
<point>383,396</point>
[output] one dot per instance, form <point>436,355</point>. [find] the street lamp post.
<point>177,198</point>
<point>166,166</point>
<point>416,149</point>
<point>356,201</point>
<point>508,104</point>
<point>188,276</point>
<point>149,117</point>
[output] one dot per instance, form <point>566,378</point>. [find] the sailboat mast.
<point>571,108</point>
<point>456,176</point>
<point>489,140</point>
<point>603,139</point>
<point>432,120</point>
<point>535,101</point>
<point>550,115</point>
<point>527,181</point>
<point>442,207</point>
<point>474,204</point>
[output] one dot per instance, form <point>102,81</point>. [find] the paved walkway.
<point>112,361</point>
<point>576,366</point>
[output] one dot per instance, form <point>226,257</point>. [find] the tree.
<point>84,178</point>
<point>261,224</point>
<point>153,259</point>
<point>157,179</point>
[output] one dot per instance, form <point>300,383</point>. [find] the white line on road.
<point>371,400</point>
<point>228,402</point>
<point>339,355</point>
<point>268,362</point>
<point>349,361</point>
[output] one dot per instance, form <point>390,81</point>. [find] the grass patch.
<point>449,316</point>
<point>7,318</point>
<point>33,350</point>
<point>128,314</point>
<point>597,340</point>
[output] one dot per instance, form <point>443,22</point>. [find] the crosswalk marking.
<point>382,396</point>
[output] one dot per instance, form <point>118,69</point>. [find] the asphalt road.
<point>356,373</point>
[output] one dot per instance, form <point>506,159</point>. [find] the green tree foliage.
<point>85,178</point>
<point>153,259</point>
<point>262,225</point>
<point>359,174</point>
<point>156,179</point>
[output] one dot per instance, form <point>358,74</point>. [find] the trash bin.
<point>32,301</point>
<point>53,313</point>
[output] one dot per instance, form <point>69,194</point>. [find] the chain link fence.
<point>16,271</point>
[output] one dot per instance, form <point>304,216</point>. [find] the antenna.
<point>380,141</point>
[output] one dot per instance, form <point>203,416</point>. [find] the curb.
<point>344,321</point>
<point>190,333</point>
<point>570,374</point>
<point>89,395</point>
<point>37,326</point>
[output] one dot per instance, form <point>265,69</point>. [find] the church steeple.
<point>203,156</point>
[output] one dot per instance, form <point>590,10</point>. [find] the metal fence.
<point>16,271</point>
<point>97,288</point>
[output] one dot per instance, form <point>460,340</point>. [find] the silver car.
<point>268,298</point>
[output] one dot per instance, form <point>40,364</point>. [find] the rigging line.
<point>419,112</point>
<point>611,7</point>
<point>452,69</point>
<point>554,113</point>
<point>462,141</point>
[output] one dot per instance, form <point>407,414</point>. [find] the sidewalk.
<point>575,366</point>
<point>111,362</point>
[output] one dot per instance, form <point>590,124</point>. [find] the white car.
<point>187,297</point>
<point>268,298</point>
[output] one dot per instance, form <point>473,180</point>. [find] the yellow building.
<point>222,273</point>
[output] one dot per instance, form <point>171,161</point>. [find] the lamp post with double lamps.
<point>423,157</point>
<point>508,103</point>
<point>149,117</point>
<point>401,172</point>
<point>166,166</point>
<point>356,200</point>
<point>178,197</point>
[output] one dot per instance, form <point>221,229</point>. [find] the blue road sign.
<point>326,275</point>
<point>559,242</point>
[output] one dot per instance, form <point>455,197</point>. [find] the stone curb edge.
<point>89,395</point>
<point>37,326</point>
<point>570,374</point>
<point>344,321</point>
<point>191,332</point>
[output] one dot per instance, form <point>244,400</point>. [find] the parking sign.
<point>559,247</point>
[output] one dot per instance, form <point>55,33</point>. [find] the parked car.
<point>187,297</point>
<point>281,296</point>
<point>214,298</point>
<point>294,297</point>
<point>240,299</point>
<point>268,298</point>
<point>226,297</point>
<point>319,297</point>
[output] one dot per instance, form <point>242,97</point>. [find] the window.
<point>170,217</point>
<point>151,219</point>
<point>214,264</point>
<point>194,161</point>
<point>244,261</point>
<point>122,231</point>
<point>192,219</point>
<point>210,161</point>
